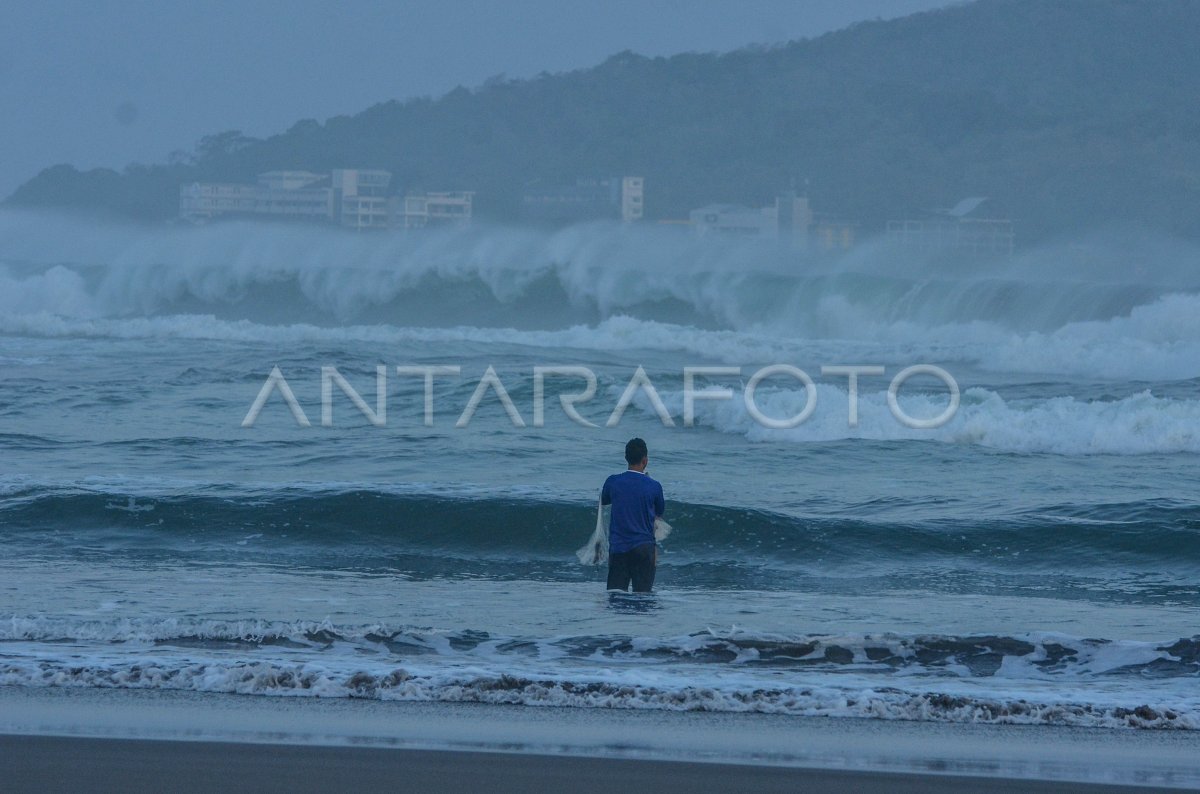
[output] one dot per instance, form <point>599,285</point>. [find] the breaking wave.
<point>602,287</point>
<point>398,684</point>
<point>877,676</point>
<point>1139,424</point>
<point>516,535</point>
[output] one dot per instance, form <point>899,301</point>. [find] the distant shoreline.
<point>1058,112</point>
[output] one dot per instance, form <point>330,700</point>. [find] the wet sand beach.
<point>50,764</point>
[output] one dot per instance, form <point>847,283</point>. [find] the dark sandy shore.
<point>47,764</point>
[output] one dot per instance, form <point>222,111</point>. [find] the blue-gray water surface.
<point>1034,559</point>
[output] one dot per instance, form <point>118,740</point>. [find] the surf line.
<point>640,383</point>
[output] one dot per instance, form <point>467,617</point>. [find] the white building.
<point>973,227</point>
<point>734,219</point>
<point>789,217</point>
<point>632,199</point>
<point>790,220</point>
<point>288,180</point>
<point>361,198</point>
<point>350,197</point>
<point>618,198</point>
<point>283,194</point>
<point>202,201</point>
<point>419,210</point>
<point>301,195</point>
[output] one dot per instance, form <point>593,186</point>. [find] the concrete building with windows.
<point>360,197</point>
<point>299,195</point>
<point>790,220</point>
<point>348,197</point>
<point>614,198</point>
<point>203,201</point>
<point>446,208</point>
<point>733,219</point>
<point>283,194</point>
<point>790,217</point>
<point>975,227</point>
<point>633,199</point>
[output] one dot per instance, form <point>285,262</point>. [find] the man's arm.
<point>660,505</point>
<point>605,495</point>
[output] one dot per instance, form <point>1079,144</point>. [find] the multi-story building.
<point>974,227</point>
<point>734,219</point>
<point>203,201</point>
<point>348,197</point>
<point>294,194</point>
<point>793,215</point>
<point>790,220</point>
<point>360,196</point>
<point>419,210</point>
<point>617,198</point>
<point>633,204</point>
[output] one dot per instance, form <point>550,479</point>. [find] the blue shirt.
<point>636,501</point>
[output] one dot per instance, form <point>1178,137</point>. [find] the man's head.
<point>636,453</point>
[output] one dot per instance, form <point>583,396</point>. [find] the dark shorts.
<point>635,565</point>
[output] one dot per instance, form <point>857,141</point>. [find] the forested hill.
<point>1075,114</point>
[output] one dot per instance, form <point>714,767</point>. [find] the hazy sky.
<point>110,82</point>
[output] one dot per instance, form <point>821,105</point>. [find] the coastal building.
<point>829,233</point>
<point>354,198</point>
<point>289,180</point>
<point>419,210</point>
<point>616,198</point>
<point>203,201</point>
<point>633,204</point>
<point>793,216</point>
<point>734,219</point>
<point>292,194</point>
<point>790,219</point>
<point>360,196</point>
<point>973,227</point>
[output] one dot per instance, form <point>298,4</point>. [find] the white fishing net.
<point>596,549</point>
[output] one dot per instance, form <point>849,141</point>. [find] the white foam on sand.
<point>1088,755</point>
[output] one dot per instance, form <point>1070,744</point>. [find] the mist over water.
<point>1111,306</point>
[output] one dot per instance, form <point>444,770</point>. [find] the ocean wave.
<point>107,271</point>
<point>1155,341</point>
<point>877,676</point>
<point>542,530</point>
<point>617,333</point>
<point>1139,424</point>
<point>608,287</point>
<point>263,678</point>
<point>1028,656</point>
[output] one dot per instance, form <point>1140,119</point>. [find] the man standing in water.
<point>636,501</point>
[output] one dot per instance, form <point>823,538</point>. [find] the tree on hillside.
<point>1076,114</point>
